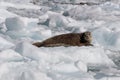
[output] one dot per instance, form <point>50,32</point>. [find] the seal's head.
<point>86,37</point>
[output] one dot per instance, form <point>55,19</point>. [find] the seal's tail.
<point>38,44</point>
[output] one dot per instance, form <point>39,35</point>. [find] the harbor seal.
<point>70,39</point>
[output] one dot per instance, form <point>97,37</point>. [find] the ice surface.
<point>14,24</point>
<point>10,55</point>
<point>4,13</point>
<point>22,23</point>
<point>5,44</point>
<point>107,38</point>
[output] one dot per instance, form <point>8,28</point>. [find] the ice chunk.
<point>4,44</point>
<point>10,55</point>
<point>30,51</point>
<point>54,20</point>
<point>101,35</point>
<point>14,24</point>
<point>17,34</point>
<point>105,37</point>
<point>19,28</point>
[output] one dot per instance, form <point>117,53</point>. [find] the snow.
<point>10,55</point>
<point>4,13</point>
<point>5,44</point>
<point>22,23</point>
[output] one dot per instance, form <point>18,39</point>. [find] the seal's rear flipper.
<point>38,44</point>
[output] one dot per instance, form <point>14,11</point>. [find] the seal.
<point>70,39</point>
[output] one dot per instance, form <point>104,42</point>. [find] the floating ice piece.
<point>30,51</point>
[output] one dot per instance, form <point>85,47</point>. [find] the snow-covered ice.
<point>14,24</point>
<point>23,22</point>
<point>5,44</point>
